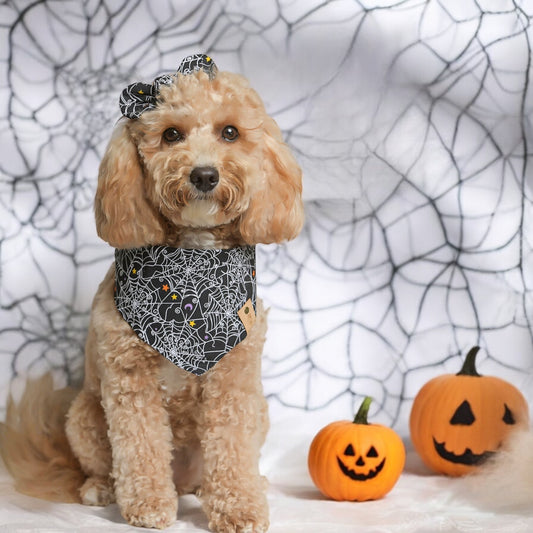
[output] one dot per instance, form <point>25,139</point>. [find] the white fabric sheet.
<point>410,120</point>
<point>419,503</point>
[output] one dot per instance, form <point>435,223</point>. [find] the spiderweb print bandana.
<point>192,306</point>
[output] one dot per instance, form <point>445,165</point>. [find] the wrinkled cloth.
<point>420,502</point>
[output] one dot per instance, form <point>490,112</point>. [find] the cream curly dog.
<point>196,165</point>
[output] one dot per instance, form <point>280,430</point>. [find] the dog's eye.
<point>230,133</point>
<point>172,135</point>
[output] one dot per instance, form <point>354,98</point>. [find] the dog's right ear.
<point>124,217</point>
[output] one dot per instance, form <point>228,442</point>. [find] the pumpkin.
<point>459,420</point>
<point>356,461</point>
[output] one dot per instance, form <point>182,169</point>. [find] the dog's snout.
<point>204,179</point>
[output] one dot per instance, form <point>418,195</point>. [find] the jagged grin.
<point>360,477</point>
<point>468,457</point>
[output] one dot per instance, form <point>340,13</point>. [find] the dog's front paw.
<point>155,513</point>
<point>225,526</point>
<point>238,523</point>
<point>242,514</point>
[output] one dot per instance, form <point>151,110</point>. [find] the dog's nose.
<point>204,178</point>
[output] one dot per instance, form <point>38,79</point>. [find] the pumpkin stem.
<point>362,415</point>
<point>469,366</point>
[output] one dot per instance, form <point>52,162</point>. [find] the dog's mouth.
<point>188,207</point>
<point>201,213</point>
<point>209,202</point>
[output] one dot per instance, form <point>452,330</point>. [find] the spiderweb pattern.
<point>187,304</point>
<point>412,122</point>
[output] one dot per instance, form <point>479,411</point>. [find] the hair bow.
<point>140,97</point>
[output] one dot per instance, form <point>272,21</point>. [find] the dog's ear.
<point>275,213</point>
<point>124,218</point>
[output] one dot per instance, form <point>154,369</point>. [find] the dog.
<point>195,172</point>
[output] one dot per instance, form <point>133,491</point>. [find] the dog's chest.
<point>172,378</point>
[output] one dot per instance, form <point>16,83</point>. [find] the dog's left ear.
<point>275,213</point>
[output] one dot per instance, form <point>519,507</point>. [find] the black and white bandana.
<point>140,97</point>
<point>193,306</point>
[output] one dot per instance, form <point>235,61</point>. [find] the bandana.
<point>193,306</point>
<point>140,97</point>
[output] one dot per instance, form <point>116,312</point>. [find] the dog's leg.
<point>233,424</point>
<point>140,435</point>
<point>86,430</point>
<point>187,465</point>
<point>233,492</point>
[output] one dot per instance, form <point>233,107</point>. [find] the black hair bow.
<point>140,97</point>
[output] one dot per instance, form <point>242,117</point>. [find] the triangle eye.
<point>463,415</point>
<point>508,417</point>
<point>349,451</point>
<point>372,452</point>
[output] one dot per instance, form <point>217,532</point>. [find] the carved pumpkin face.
<point>458,421</point>
<point>356,460</point>
<point>361,467</point>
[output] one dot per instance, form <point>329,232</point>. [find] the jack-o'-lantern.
<point>459,420</point>
<point>356,461</point>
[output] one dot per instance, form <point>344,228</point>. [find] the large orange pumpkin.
<point>356,461</point>
<point>459,420</point>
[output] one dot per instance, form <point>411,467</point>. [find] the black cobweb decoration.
<point>412,122</point>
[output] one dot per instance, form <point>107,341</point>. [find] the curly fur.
<point>505,482</point>
<point>141,429</point>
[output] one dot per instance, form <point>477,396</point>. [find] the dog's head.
<point>206,155</point>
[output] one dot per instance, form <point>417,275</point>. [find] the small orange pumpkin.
<point>459,420</point>
<point>356,461</point>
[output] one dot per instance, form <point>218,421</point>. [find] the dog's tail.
<point>34,446</point>
<point>506,482</point>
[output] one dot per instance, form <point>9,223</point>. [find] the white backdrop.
<point>412,122</point>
